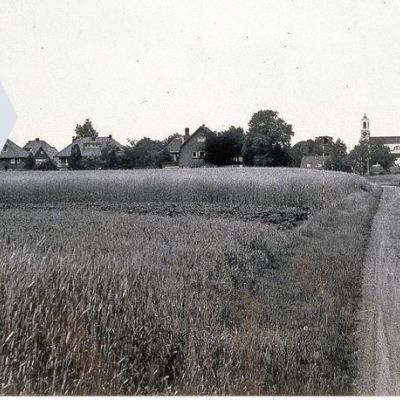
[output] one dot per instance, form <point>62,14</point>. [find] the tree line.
<point>267,143</point>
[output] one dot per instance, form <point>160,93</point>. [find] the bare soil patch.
<point>283,217</point>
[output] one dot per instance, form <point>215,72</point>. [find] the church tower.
<point>365,129</point>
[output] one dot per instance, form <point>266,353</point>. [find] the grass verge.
<point>325,275</point>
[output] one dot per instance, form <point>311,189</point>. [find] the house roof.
<point>175,144</point>
<point>90,147</point>
<point>202,129</point>
<point>313,161</point>
<point>384,140</point>
<point>12,150</point>
<point>34,147</point>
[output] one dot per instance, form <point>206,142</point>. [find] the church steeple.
<point>364,129</point>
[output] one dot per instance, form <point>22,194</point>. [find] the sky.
<point>153,67</point>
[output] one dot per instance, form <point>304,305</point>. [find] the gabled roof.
<point>175,144</point>
<point>34,147</point>
<point>12,150</point>
<point>201,130</point>
<point>384,140</point>
<point>90,147</point>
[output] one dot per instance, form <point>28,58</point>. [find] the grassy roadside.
<point>325,275</point>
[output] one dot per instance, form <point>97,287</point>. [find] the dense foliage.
<point>267,141</point>
<point>225,148</point>
<point>86,130</point>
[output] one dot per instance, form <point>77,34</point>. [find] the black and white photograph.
<point>199,198</point>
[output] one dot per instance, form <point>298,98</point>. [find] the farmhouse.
<point>41,150</point>
<point>12,156</point>
<point>393,142</point>
<point>89,148</point>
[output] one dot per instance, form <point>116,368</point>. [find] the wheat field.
<point>261,186</point>
<point>99,302</point>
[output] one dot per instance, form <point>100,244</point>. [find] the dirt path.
<point>379,357</point>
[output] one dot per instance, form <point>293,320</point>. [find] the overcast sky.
<point>150,68</point>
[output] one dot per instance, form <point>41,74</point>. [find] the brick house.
<point>192,152</point>
<point>41,151</point>
<point>12,156</point>
<point>89,148</point>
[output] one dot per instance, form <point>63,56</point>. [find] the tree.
<point>145,153</point>
<point>76,157</point>
<point>109,158</point>
<point>30,162</point>
<point>86,130</point>
<point>358,158</point>
<point>381,155</point>
<point>225,147</point>
<point>363,155</point>
<point>337,157</point>
<point>163,157</point>
<point>267,142</point>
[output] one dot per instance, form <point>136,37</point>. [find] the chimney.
<point>187,134</point>
<point>110,136</point>
<point>73,138</point>
<point>37,139</point>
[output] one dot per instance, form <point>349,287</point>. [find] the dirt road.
<point>379,334</point>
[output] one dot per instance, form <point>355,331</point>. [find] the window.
<point>364,125</point>
<point>201,139</point>
<point>5,148</point>
<point>18,161</point>
<point>319,165</point>
<point>12,160</point>
<point>308,165</point>
<point>194,154</point>
<point>202,154</point>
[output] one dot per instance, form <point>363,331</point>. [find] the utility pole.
<point>324,140</point>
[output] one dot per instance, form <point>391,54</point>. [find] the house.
<point>192,152</point>
<point>312,162</point>
<point>174,147</point>
<point>12,156</point>
<point>41,151</point>
<point>88,148</point>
